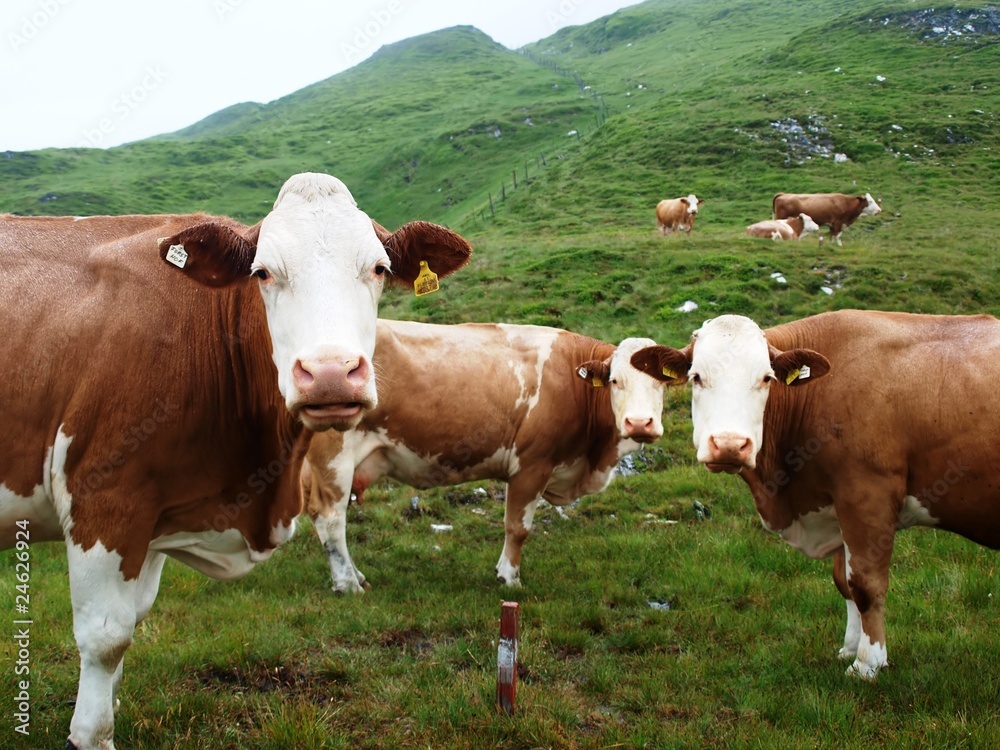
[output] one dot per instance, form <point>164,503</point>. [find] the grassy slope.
<point>417,131</point>
<point>745,656</point>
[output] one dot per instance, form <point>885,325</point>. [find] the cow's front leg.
<point>852,633</point>
<point>868,541</point>
<point>523,494</point>
<point>104,618</point>
<point>327,493</point>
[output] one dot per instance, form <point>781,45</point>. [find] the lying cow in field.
<point>677,214</point>
<point>835,210</point>
<point>902,433</point>
<point>548,411</point>
<point>784,229</point>
<point>146,414</point>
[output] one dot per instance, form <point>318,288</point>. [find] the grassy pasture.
<point>746,654</point>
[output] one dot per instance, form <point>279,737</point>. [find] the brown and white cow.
<point>784,229</point>
<point>835,210</point>
<point>548,411</point>
<point>902,432</point>
<point>677,214</point>
<point>147,414</point>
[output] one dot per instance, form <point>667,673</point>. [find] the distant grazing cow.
<point>835,210</point>
<point>548,411</point>
<point>147,414</point>
<point>677,214</point>
<point>902,432</point>
<point>784,229</point>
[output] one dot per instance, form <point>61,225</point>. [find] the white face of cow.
<point>730,377</point>
<point>692,203</point>
<point>872,207</point>
<point>636,398</point>
<point>808,225</point>
<point>321,270</point>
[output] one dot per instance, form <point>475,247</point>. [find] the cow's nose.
<point>638,426</point>
<point>320,374</point>
<point>729,447</point>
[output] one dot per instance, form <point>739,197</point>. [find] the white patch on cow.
<point>509,574</point>
<point>914,514</point>
<point>279,535</point>
<point>852,632</point>
<point>808,225</point>
<point>816,533</point>
<point>728,393</point>
<point>37,508</point>
<point>542,340</point>
<point>692,204</point>
<point>316,234</point>
<point>220,554</point>
<point>870,659</point>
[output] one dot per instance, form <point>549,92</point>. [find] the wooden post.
<point>514,172</point>
<point>492,212</point>
<point>510,613</point>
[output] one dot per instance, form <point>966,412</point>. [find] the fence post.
<point>507,657</point>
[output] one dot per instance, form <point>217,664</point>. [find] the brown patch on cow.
<point>862,599</point>
<point>444,250</point>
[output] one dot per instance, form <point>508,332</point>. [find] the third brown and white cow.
<point>784,229</point>
<point>155,408</point>
<point>902,432</point>
<point>835,210</point>
<point>677,214</point>
<point>548,411</point>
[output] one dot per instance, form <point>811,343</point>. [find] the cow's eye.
<point>614,381</point>
<point>768,379</point>
<point>381,269</point>
<point>696,379</point>
<point>261,274</point>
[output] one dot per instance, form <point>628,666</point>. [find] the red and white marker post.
<point>510,614</point>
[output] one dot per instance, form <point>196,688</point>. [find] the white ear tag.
<point>177,255</point>
<point>804,372</point>
<point>582,372</point>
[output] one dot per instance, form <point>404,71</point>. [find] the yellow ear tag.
<point>792,376</point>
<point>426,281</point>
<point>598,383</point>
<point>669,373</point>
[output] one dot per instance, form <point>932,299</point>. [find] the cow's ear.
<point>664,363</point>
<point>700,201</point>
<point>595,371</point>
<point>443,250</point>
<point>685,201</point>
<point>211,253</point>
<point>798,366</point>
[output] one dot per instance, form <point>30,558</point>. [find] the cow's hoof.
<point>863,671</point>
<point>845,654</point>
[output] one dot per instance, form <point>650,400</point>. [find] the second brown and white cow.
<point>835,210</point>
<point>153,410</point>
<point>677,214</point>
<point>547,411</point>
<point>784,229</point>
<point>902,432</point>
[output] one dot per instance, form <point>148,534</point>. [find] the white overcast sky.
<point>105,72</point>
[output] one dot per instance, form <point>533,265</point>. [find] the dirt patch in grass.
<point>319,687</point>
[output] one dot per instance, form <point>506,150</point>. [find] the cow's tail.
<point>774,203</point>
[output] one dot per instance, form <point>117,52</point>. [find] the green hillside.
<point>733,101</point>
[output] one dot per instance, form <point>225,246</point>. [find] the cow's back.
<point>910,396</point>
<point>460,393</point>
